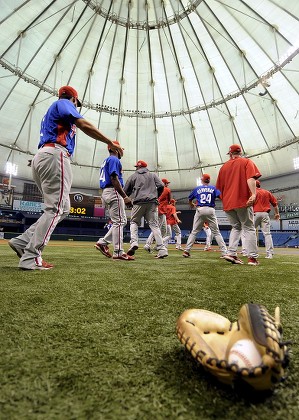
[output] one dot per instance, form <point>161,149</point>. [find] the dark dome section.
<point>175,82</point>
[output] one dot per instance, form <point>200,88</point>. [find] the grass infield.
<point>95,338</point>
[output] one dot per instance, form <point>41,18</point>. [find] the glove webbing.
<point>267,336</point>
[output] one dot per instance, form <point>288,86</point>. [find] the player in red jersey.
<point>237,183</point>
<point>173,221</point>
<point>262,208</point>
<point>163,200</point>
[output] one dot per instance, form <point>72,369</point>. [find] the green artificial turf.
<point>95,338</point>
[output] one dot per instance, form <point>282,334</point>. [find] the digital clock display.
<point>81,211</point>
<point>82,205</point>
<point>78,210</point>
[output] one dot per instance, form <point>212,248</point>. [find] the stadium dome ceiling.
<point>175,81</point>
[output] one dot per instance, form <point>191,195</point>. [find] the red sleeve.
<point>273,200</point>
<point>252,170</point>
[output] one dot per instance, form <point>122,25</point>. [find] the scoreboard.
<point>84,205</point>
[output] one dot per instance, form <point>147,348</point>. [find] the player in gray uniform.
<point>51,170</point>
<point>145,188</point>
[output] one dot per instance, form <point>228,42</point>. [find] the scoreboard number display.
<point>82,205</point>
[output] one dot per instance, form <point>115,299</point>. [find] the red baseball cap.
<point>234,148</point>
<point>141,164</point>
<point>69,91</point>
<point>205,177</point>
<point>165,181</point>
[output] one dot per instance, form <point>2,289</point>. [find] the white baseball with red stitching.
<point>244,354</point>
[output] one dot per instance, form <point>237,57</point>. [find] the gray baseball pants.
<point>116,208</point>
<point>150,212</point>
<point>206,214</point>
<point>163,229</point>
<point>208,233</point>
<point>177,232</point>
<point>262,219</point>
<point>242,219</point>
<point>51,171</point>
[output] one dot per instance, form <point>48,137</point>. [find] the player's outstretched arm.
<point>90,130</point>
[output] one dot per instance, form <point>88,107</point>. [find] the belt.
<point>49,145</point>
<point>54,145</point>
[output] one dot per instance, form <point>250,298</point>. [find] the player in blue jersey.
<point>203,199</point>
<point>51,170</point>
<point>114,199</point>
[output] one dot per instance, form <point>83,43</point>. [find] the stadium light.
<point>198,181</point>
<point>12,170</point>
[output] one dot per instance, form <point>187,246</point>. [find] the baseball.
<point>244,354</point>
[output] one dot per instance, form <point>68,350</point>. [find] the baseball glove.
<point>210,338</point>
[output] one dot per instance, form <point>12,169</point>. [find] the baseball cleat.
<point>18,251</point>
<point>43,266</point>
<point>124,257</point>
<point>104,249</point>
<point>269,256</point>
<point>233,259</point>
<point>186,254</point>
<point>161,256</point>
<point>147,248</point>
<point>253,261</point>
<point>132,250</point>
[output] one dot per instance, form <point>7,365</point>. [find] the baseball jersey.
<point>232,182</point>
<point>143,185</point>
<point>263,200</point>
<point>110,166</point>
<point>164,199</point>
<point>170,211</point>
<point>204,195</point>
<point>58,125</point>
